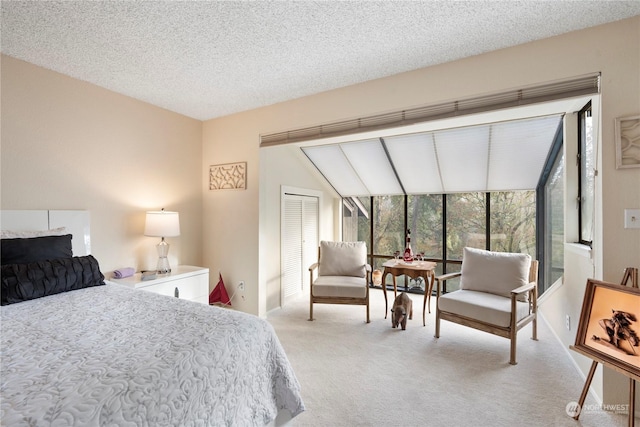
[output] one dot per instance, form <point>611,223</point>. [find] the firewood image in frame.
<point>620,335</point>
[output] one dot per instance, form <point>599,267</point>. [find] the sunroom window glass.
<point>364,220</point>
<point>349,221</point>
<point>453,284</point>
<point>388,219</point>
<point>466,223</point>
<point>513,222</point>
<point>424,216</point>
<point>554,224</point>
<point>356,222</point>
<point>587,175</point>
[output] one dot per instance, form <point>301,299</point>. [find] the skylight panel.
<point>462,156</point>
<point>518,152</point>
<point>414,157</point>
<point>333,164</point>
<point>370,162</point>
<point>501,156</point>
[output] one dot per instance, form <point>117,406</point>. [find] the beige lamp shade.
<point>162,224</point>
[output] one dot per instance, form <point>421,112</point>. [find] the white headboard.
<point>76,223</point>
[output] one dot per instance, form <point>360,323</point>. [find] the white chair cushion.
<point>342,259</point>
<point>494,272</point>
<point>339,286</point>
<point>483,306</point>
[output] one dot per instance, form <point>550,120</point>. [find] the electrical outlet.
<point>632,218</point>
<point>567,322</point>
<point>241,286</point>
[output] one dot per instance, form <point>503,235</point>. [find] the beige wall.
<point>242,227</point>
<point>278,165</point>
<point>67,144</point>
<point>613,50</point>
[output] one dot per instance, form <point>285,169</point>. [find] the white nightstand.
<point>185,281</point>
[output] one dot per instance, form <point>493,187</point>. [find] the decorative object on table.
<point>408,253</point>
<point>148,275</point>
<point>627,135</point>
<point>417,284</point>
<point>121,273</point>
<point>401,307</point>
<point>219,295</point>
<point>162,224</point>
<point>229,176</point>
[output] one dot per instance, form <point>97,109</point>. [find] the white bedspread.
<point>110,355</point>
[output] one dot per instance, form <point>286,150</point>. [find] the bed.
<point>78,351</point>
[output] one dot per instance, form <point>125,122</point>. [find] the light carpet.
<point>358,374</point>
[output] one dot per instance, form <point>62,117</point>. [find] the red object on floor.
<point>219,294</point>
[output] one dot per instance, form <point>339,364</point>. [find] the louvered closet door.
<point>299,243</point>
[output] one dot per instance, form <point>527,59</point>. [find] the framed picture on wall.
<point>228,176</point>
<point>627,134</point>
<point>609,328</point>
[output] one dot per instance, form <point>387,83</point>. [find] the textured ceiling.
<point>208,59</point>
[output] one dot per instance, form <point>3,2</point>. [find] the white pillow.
<point>494,272</point>
<point>26,234</point>
<point>342,259</point>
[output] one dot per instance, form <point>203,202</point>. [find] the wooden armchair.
<point>498,294</point>
<point>342,275</point>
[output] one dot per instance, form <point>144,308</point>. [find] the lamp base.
<point>163,262</point>
<point>163,266</point>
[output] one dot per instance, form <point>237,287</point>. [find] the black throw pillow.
<point>33,249</point>
<point>22,282</point>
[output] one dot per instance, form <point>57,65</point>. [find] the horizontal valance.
<point>550,91</point>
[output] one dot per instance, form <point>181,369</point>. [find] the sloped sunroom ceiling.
<point>502,156</point>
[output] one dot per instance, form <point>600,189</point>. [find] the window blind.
<point>550,91</point>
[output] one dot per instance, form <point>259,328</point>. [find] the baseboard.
<point>573,361</point>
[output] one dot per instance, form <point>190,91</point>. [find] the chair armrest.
<point>313,267</point>
<point>522,289</point>
<point>533,300</point>
<point>443,278</point>
<point>447,276</point>
<point>368,268</point>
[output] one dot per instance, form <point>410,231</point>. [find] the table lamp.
<point>162,224</point>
